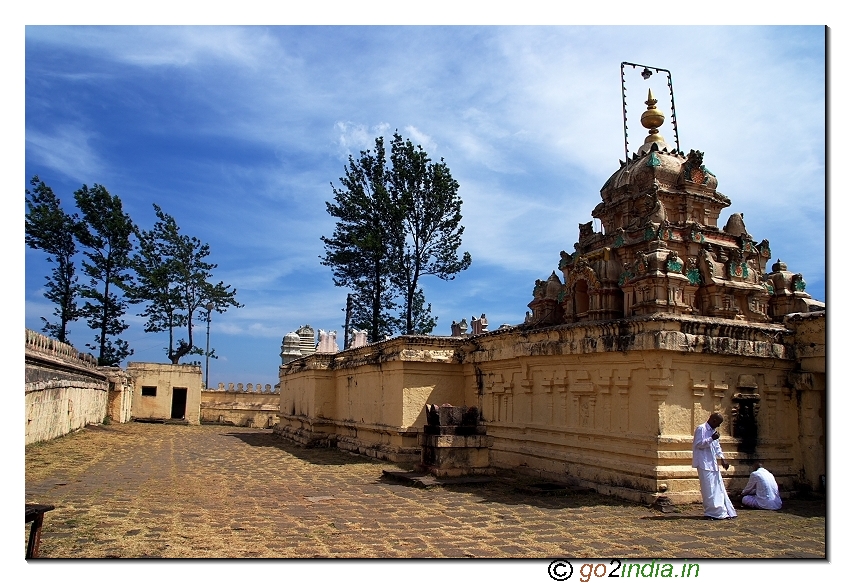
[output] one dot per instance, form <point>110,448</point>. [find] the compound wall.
<point>63,391</point>
<point>245,407</point>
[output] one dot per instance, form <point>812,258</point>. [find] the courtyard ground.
<point>154,490</point>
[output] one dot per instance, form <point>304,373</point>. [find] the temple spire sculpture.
<point>661,251</point>
<point>652,119</point>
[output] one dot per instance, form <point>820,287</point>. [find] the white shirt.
<point>763,485</point>
<point>706,450</point>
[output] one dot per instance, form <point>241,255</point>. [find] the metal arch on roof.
<point>646,73</point>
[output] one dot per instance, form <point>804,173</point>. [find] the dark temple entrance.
<point>178,403</point>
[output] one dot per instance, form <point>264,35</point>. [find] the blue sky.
<point>238,132</point>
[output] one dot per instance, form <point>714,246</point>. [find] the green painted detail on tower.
<point>694,277</point>
<point>653,160</point>
<point>675,266</point>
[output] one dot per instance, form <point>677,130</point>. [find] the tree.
<point>394,225</point>
<point>428,237</point>
<point>51,229</point>
<point>423,322</point>
<point>105,231</point>
<point>360,252</point>
<point>363,312</point>
<point>150,283</point>
<point>171,275</point>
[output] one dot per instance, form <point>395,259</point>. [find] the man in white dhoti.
<point>706,450</point>
<point>761,491</point>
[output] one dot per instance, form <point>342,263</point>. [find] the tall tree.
<point>360,252</point>
<point>51,229</point>
<point>151,283</point>
<point>428,237</point>
<point>172,276</point>
<point>105,231</point>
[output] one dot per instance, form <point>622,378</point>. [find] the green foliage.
<point>378,324</point>
<point>51,229</point>
<point>422,321</point>
<point>105,231</point>
<point>360,251</point>
<point>427,198</point>
<point>168,273</point>
<point>171,276</point>
<point>394,224</point>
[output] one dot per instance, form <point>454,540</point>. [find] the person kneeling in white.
<point>762,491</point>
<point>706,450</point>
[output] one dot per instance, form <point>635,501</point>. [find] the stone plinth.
<point>454,442</point>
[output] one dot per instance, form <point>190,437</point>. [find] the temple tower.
<point>661,250</point>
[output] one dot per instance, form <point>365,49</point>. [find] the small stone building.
<point>166,391</point>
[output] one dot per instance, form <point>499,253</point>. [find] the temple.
<point>655,322</point>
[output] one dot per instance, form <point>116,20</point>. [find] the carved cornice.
<point>414,349</point>
<point>664,332</point>
<point>659,332</point>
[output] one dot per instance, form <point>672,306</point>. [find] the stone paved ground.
<point>153,490</point>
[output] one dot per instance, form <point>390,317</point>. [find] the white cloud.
<point>171,46</point>
<point>69,150</point>
<point>421,139</point>
<point>353,138</point>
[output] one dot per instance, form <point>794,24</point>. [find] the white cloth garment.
<point>715,500</point>
<point>762,491</point>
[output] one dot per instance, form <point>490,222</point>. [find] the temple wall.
<point>371,400</point>
<point>809,384</point>
<point>611,405</point>
<point>162,380</point>
<point>55,408</point>
<point>613,423</point>
<point>245,408</point>
<point>63,391</point>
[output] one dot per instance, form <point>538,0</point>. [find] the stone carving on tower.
<point>308,339</point>
<point>660,249</point>
<point>290,348</point>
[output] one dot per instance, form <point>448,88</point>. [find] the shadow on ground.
<point>315,455</point>
<point>505,488</point>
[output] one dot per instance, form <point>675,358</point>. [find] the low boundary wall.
<point>243,405</point>
<point>64,390</point>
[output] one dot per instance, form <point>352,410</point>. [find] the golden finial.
<point>652,119</point>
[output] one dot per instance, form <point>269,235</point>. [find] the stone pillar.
<point>699,415</point>
<point>812,430</point>
<point>622,385</point>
